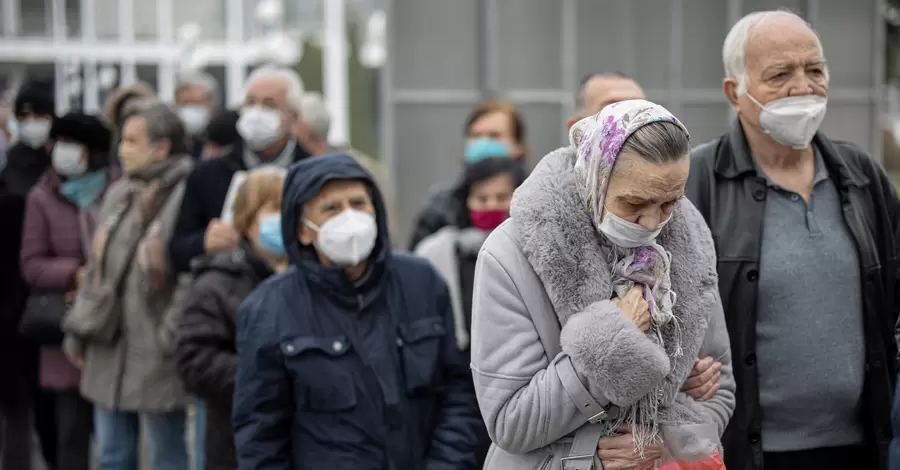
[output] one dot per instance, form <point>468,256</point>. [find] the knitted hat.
<point>83,128</point>
<point>35,96</point>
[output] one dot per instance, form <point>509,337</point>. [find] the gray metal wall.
<point>447,55</point>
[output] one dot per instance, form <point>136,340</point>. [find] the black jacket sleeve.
<point>455,436</point>
<point>190,227</point>
<point>205,352</point>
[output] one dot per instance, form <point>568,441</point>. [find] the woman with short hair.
<point>115,328</point>
<point>206,352</point>
<point>594,299</point>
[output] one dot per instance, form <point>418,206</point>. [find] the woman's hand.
<point>634,305</point>
<point>617,453</point>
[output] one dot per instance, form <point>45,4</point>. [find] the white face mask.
<point>67,161</point>
<point>625,234</point>
<point>260,127</point>
<point>347,238</point>
<point>34,132</point>
<point>195,118</point>
<point>792,121</point>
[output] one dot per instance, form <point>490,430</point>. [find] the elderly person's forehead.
<point>781,39</point>
<point>269,86</point>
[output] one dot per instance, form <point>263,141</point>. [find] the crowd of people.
<point>635,299</point>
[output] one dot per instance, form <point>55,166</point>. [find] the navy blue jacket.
<point>352,376</point>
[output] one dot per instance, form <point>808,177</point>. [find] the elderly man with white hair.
<point>806,230</point>
<point>268,117</point>
<point>196,99</point>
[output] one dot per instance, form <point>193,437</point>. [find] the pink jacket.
<point>53,249</point>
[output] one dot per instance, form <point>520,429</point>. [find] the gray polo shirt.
<point>810,343</point>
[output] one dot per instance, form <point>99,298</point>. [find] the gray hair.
<point>201,79</point>
<point>162,124</point>
<point>734,49</point>
<point>658,142</point>
<point>315,114</point>
<point>295,84</point>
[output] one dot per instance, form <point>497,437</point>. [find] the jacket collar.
<point>735,161</point>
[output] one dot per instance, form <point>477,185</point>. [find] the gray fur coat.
<point>549,348</point>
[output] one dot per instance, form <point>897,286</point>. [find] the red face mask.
<point>487,220</point>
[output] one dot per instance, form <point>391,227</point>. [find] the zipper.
<point>545,465</point>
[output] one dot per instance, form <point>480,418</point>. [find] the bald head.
<point>599,90</point>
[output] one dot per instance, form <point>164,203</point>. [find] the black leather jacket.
<point>724,186</point>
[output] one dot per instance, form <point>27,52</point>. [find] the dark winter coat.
<point>334,374</point>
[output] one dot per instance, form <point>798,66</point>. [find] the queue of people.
<point>636,299</point>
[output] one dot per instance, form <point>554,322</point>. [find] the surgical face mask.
<point>270,239</point>
<point>195,118</point>
<point>133,158</point>
<point>34,132</point>
<point>625,234</point>
<point>792,121</point>
<point>67,159</point>
<point>260,127</point>
<point>485,147</point>
<point>347,238</point>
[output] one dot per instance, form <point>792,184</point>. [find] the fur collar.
<point>564,249</point>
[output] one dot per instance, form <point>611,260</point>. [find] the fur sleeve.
<point>617,358</point>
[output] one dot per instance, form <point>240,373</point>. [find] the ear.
<point>730,87</point>
<point>305,235</point>
<point>162,149</point>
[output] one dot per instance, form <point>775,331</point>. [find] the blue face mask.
<point>480,149</point>
<point>85,189</point>
<point>270,235</point>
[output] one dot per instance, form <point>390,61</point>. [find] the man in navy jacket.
<point>347,360</point>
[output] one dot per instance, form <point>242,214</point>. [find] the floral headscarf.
<point>597,141</point>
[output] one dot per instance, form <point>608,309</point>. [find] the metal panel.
<point>705,121</point>
<point>429,154</point>
<point>545,128</point>
<point>705,24</point>
<point>439,46</point>
<point>527,29</point>
<point>11,17</point>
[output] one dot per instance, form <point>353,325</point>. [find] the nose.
<point>801,85</point>
<point>651,221</point>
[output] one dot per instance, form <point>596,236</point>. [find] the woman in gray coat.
<point>116,330</point>
<point>594,299</point>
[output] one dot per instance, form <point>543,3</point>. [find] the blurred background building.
<point>409,85</point>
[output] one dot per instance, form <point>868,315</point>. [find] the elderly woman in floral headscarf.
<point>594,299</point>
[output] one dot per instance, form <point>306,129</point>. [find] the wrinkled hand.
<point>220,236</point>
<point>617,453</point>
<point>635,307</point>
<point>703,383</point>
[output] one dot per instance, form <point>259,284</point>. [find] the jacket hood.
<point>304,181</point>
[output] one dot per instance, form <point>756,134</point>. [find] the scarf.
<point>597,141</point>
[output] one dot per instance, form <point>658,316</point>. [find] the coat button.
<point>400,342</point>
<point>750,359</point>
<point>337,346</point>
<point>755,438</point>
<point>759,194</point>
<point>289,348</point>
<point>752,275</point>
